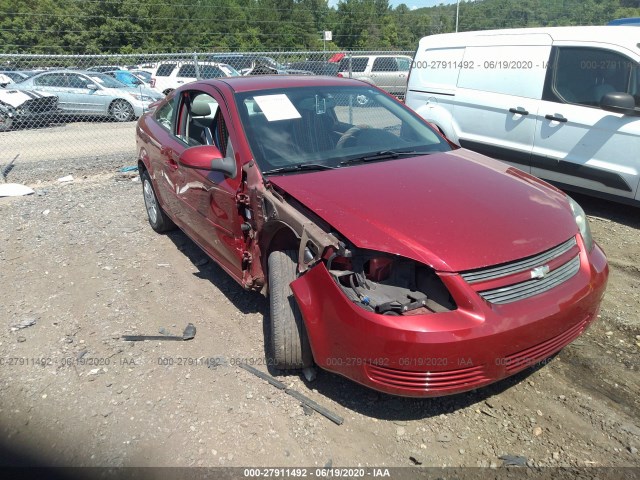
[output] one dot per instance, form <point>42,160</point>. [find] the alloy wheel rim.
<point>150,202</point>
<point>120,111</point>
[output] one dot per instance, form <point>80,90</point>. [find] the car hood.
<point>144,91</point>
<point>455,211</point>
<point>15,98</point>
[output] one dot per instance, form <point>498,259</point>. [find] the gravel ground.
<point>81,267</point>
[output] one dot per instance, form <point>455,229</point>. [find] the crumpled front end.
<point>400,327</point>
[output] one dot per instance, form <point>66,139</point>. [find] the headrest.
<point>200,109</point>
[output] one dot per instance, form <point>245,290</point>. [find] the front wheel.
<point>121,111</point>
<point>289,344</point>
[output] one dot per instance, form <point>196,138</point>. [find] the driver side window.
<point>584,75</point>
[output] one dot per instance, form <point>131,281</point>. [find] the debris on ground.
<point>513,460</point>
<point>188,334</point>
<point>337,419</point>
<point>23,324</point>
<point>15,190</point>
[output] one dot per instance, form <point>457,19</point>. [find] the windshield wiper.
<point>382,155</point>
<point>298,168</point>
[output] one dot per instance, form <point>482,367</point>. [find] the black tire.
<point>158,220</point>
<point>289,344</point>
<point>121,111</point>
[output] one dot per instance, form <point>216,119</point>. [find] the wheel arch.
<point>276,235</point>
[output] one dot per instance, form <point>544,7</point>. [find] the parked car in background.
<point>169,75</point>
<point>27,108</point>
<point>144,75</point>
<point>106,68</point>
<point>11,76</point>
<point>316,67</point>
<point>256,64</point>
<point>562,103</point>
<point>390,256</point>
<point>389,72</point>
<point>635,21</point>
<point>130,79</point>
<point>91,93</point>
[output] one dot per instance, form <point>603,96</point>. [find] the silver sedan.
<point>91,93</point>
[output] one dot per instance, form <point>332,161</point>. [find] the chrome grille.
<point>519,266</point>
<point>529,288</point>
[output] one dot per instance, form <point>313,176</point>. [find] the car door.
<point>577,144</point>
<point>55,83</point>
<point>209,198</point>
<point>84,94</point>
<point>164,153</point>
<point>384,73</point>
<point>499,90</point>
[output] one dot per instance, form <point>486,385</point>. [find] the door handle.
<point>555,118</point>
<point>519,111</point>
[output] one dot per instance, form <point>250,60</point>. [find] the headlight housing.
<point>388,284</point>
<point>582,222</point>
<point>142,98</point>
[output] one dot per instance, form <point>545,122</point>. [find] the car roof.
<point>267,82</point>
<point>620,35</point>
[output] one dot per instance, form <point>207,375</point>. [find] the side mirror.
<point>92,86</point>
<point>619,102</point>
<point>207,157</point>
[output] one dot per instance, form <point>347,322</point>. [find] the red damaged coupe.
<point>390,256</point>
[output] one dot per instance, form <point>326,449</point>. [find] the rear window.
<point>210,71</point>
<point>165,69</point>
<point>384,64</point>
<point>187,71</point>
<point>358,64</point>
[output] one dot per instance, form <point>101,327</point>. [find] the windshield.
<point>331,127</point>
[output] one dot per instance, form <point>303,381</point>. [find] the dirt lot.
<point>80,260</point>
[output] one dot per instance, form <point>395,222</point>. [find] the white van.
<point>560,103</point>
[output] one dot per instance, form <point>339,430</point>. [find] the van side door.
<point>498,93</point>
<point>578,145</point>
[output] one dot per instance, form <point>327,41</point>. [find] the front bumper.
<point>445,353</point>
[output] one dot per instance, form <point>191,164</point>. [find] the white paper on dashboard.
<point>277,107</point>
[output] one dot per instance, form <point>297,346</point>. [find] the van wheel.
<point>289,345</point>
<point>158,220</point>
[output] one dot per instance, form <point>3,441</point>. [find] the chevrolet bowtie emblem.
<point>540,272</point>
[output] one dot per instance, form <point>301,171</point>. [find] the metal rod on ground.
<point>7,169</point>
<point>337,419</point>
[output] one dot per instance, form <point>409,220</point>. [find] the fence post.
<point>195,62</point>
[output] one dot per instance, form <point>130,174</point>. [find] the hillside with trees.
<point>157,26</point>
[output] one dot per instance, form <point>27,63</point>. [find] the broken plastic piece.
<point>513,460</point>
<point>14,190</point>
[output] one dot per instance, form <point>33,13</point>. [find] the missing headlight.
<point>390,285</point>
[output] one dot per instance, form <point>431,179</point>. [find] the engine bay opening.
<point>389,285</point>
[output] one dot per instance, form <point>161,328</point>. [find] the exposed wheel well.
<point>277,236</point>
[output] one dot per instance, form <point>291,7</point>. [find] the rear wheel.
<point>121,111</point>
<point>158,220</point>
<point>289,344</point>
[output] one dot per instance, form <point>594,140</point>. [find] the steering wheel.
<point>350,135</point>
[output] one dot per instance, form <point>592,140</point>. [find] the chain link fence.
<point>81,110</point>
